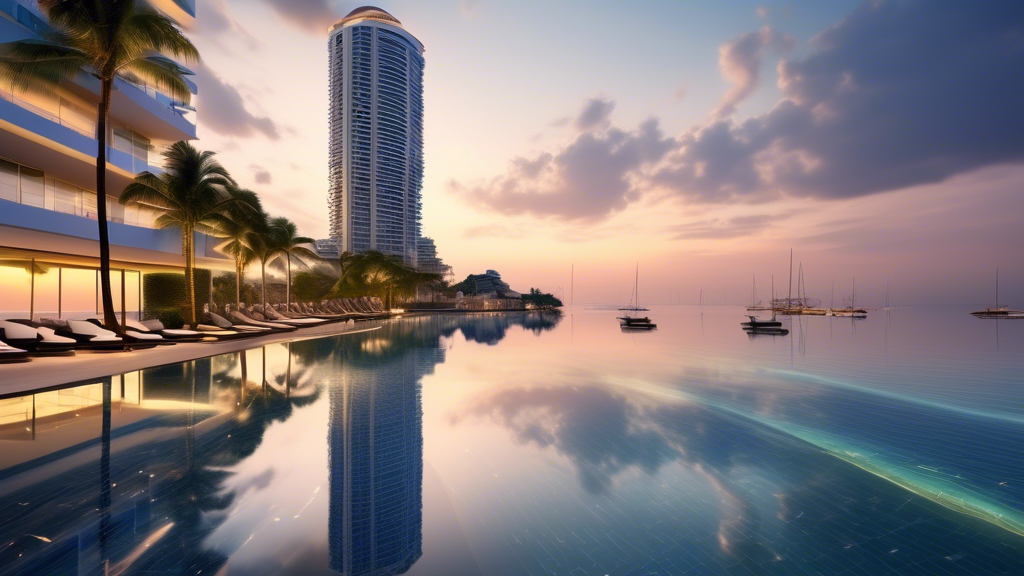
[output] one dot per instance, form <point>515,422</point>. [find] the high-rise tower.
<point>376,134</point>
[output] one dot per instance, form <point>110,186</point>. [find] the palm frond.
<point>145,29</point>
<point>140,195</point>
<point>160,73</point>
<point>38,65</point>
<point>168,220</point>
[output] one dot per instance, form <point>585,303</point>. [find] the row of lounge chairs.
<point>20,339</point>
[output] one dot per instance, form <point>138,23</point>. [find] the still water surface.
<point>530,444</point>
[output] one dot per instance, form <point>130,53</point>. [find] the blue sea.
<point>538,444</point>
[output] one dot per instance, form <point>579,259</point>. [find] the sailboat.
<point>998,311</point>
<point>635,322</point>
<point>851,311</point>
<point>888,307</point>
<point>634,303</point>
<point>755,304</point>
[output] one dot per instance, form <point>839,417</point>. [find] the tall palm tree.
<point>109,39</point>
<point>237,227</point>
<point>266,244</point>
<point>291,244</point>
<point>193,197</point>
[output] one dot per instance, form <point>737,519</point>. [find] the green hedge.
<point>164,296</point>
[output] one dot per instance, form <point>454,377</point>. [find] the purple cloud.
<point>588,180</point>
<point>740,62</point>
<point>595,115</point>
<point>314,16</point>
<point>223,109</point>
<point>896,94</point>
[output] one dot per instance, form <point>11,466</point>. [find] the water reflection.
<point>776,497</point>
<point>125,474</point>
<point>496,444</point>
<point>376,459</point>
<point>376,433</point>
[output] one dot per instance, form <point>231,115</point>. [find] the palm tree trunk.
<point>190,285</point>
<point>263,267</point>
<point>109,315</point>
<point>288,288</point>
<point>238,282</point>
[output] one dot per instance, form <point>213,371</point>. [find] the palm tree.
<point>380,274</point>
<point>291,244</point>
<point>193,197</point>
<point>109,39</point>
<point>345,261</point>
<point>266,243</point>
<point>238,227</point>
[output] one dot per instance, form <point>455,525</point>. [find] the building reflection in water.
<point>376,451</point>
<point>128,474</point>
<point>122,474</point>
<point>376,436</point>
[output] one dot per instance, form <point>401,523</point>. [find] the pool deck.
<point>43,373</point>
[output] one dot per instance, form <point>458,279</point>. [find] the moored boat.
<point>755,323</point>
<point>751,332</point>
<point>636,323</point>
<point>998,311</point>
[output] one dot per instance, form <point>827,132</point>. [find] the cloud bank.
<point>313,16</point>
<point>224,111</point>
<point>740,62</point>
<point>588,180</point>
<point>897,94</point>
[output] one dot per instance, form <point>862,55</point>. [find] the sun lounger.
<point>37,341</point>
<point>216,333</point>
<point>9,353</point>
<point>307,312</point>
<point>157,327</point>
<point>222,323</point>
<point>137,338</point>
<point>239,318</point>
<point>275,316</point>
<point>87,336</point>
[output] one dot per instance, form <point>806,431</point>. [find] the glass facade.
<point>376,136</point>
<point>34,289</point>
<point>32,187</point>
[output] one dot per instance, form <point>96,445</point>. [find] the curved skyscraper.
<point>376,134</point>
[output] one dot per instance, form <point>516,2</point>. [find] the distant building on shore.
<point>375,118</point>
<point>487,285</point>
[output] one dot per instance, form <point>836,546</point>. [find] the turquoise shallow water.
<point>538,444</point>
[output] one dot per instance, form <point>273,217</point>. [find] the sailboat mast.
<point>800,284</point>
<point>997,287</point>
<point>789,297</point>
<point>572,283</point>
<point>636,285</point>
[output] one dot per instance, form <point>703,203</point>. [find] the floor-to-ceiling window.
<point>37,289</point>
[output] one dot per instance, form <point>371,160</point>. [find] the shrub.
<point>163,292</point>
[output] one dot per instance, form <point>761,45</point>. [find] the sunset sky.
<point>701,140</point>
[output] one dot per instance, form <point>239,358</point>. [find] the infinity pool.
<point>535,444</point>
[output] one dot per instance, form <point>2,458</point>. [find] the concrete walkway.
<point>42,373</point>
